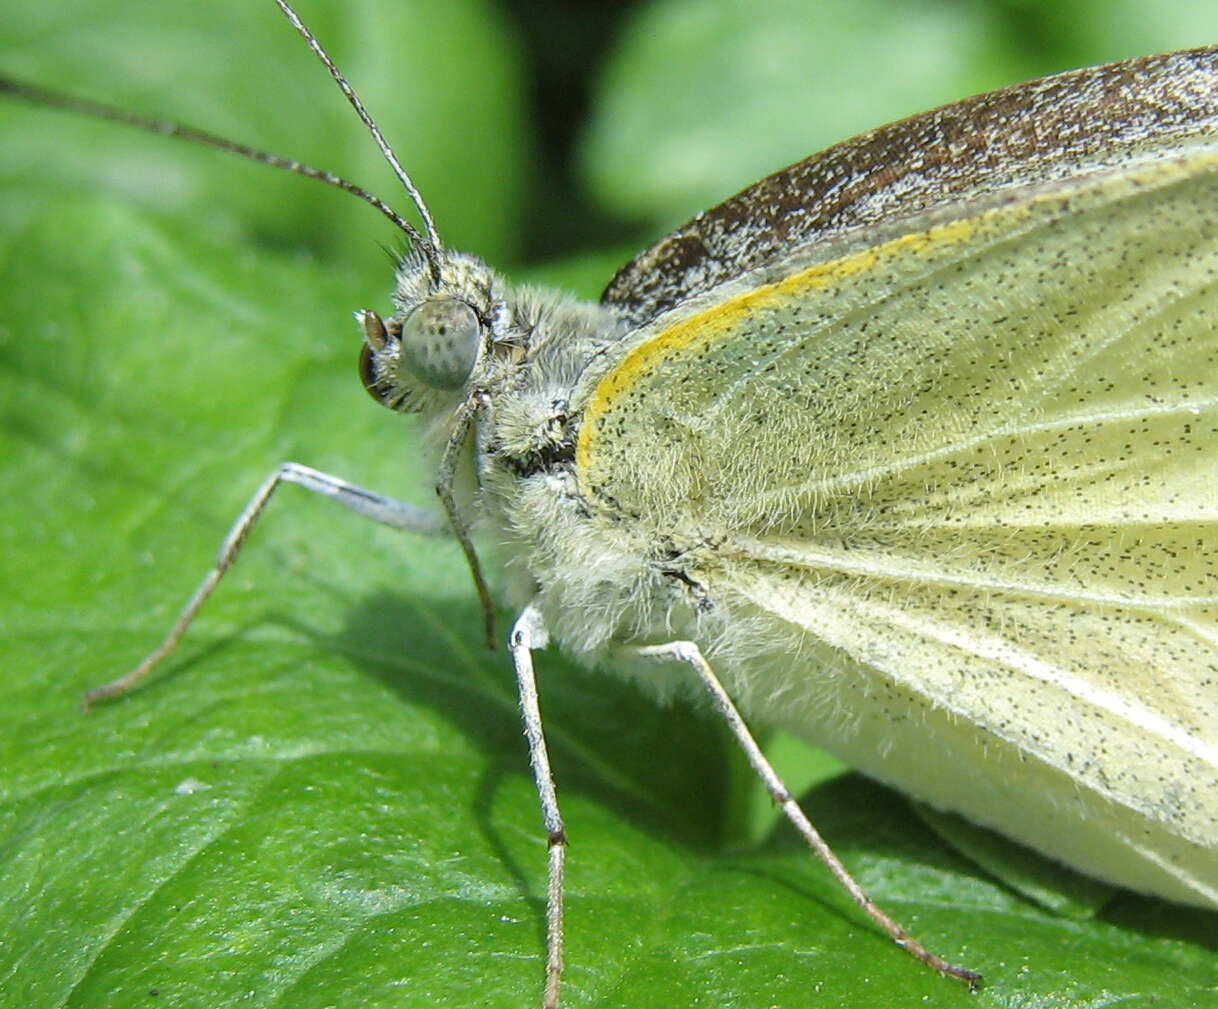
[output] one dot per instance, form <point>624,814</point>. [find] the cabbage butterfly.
<point>614,404</point>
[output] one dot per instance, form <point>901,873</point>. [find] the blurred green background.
<point>325,791</point>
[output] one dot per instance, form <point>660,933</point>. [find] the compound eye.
<point>440,342</point>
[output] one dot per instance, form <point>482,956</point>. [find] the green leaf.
<point>1050,884</point>
<point>322,798</point>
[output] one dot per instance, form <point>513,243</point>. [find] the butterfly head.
<point>447,316</point>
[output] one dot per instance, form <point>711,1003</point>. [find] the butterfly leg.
<point>689,653</point>
<point>529,633</point>
<point>462,420</point>
<point>377,507</point>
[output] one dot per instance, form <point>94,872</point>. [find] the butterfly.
<point>904,449</point>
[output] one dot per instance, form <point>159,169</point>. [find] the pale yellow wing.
<point>954,499</point>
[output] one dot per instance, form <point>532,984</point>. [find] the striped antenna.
<point>428,244</point>
<point>433,236</point>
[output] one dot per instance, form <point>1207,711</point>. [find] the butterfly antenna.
<point>430,246</point>
<point>167,128</point>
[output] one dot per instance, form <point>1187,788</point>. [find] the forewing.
<point>1042,131</point>
<point>977,467</point>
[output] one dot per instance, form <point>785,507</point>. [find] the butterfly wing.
<point>953,497</point>
<point>1032,133</point>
